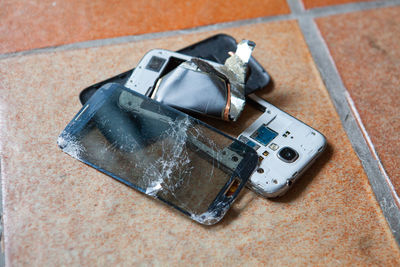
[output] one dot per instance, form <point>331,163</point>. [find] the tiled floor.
<point>38,23</point>
<point>57,211</point>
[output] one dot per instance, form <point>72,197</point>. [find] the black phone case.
<point>219,45</point>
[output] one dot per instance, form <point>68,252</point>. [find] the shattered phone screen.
<point>159,151</point>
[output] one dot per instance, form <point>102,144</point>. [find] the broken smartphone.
<point>160,151</point>
<point>162,76</point>
<point>285,145</point>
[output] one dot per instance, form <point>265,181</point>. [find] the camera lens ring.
<point>288,154</point>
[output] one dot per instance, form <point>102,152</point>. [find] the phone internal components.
<point>264,135</point>
<point>248,142</point>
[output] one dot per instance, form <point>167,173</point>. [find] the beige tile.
<point>366,49</point>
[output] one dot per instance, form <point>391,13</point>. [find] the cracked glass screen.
<point>157,150</point>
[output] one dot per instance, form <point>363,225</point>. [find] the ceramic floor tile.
<point>34,24</point>
<point>322,3</point>
<point>59,211</point>
<point>366,49</point>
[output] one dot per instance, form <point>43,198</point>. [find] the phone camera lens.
<point>288,154</point>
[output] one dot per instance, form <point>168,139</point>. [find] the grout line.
<point>351,7</point>
<point>147,36</point>
<point>296,6</point>
<point>371,145</point>
<point>337,91</point>
<point>2,254</point>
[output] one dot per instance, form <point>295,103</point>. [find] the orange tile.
<point>33,24</point>
<point>59,211</point>
<point>322,3</point>
<point>366,49</point>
